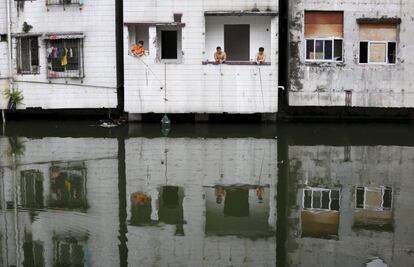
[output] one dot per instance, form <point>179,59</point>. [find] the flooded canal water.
<point>75,194</point>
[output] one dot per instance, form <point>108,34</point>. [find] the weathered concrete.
<point>325,84</point>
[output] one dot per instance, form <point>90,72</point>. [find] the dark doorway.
<point>237,42</point>
<point>169,44</point>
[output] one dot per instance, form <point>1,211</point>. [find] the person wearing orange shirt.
<point>138,49</point>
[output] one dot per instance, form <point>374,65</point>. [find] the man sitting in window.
<point>260,56</point>
<point>138,49</point>
<point>220,56</point>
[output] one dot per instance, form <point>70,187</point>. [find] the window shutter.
<point>324,24</point>
<point>378,32</point>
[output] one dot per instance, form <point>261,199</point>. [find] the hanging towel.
<point>55,52</point>
<point>64,60</point>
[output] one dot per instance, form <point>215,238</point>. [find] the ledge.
<point>241,13</point>
<point>153,24</point>
<point>236,63</point>
<point>378,21</point>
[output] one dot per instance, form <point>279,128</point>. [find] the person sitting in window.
<point>260,56</point>
<point>220,56</point>
<point>138,49</point>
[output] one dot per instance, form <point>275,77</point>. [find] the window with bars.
<point>320,198</point>
<point>63,2</point>
<point>65,58</point>
<point>27,55</point>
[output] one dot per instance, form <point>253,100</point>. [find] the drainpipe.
<point>9,48</point>
<point>119,40</point>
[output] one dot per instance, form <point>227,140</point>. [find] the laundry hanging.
<point>64,60</point>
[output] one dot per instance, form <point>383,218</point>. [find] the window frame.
<point>333,39</point>
<point>33,68</point>
<point>67,74</point>
<point>366,189</point>
<point>179,31</point>
<point>313,189</point>
<point>386,42</point>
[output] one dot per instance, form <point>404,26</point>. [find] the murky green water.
<point>75,194</point>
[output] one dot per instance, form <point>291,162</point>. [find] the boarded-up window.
<point>323,24</point>
<point>323,34</point>
<point>378,43</point>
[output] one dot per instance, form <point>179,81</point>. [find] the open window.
<point>378,43</point>
<point>169,49</point>
<point>138,32</point>
<point>27,55</point>
<point>324,36</point>
<point>239,34</point>
<point>65,56</point>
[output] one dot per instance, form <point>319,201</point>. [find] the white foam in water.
<point>376,263</point>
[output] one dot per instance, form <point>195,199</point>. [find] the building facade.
<point>347,53</point>
<point>178,73</point>
<point>63,53</point>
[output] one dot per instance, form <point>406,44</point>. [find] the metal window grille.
<point>65,58</point>
<point>63,2</point>
<point>28,55</point>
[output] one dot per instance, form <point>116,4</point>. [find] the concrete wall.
<point>96,19</point>
<point>191,86</point>
<point>99,157</point>
<point>369,166</point>
<point>193,165</point>
<point>324,84</point>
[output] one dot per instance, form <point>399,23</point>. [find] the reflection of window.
<point>69,252</point>
<point>237,42</point>
<point>33,253</point>
<point>378,43</point>
<point>171,205</point>
<point>63,2</point>
<point>374,198</point>
<point>320,198</point>
<point>68,187</point>
<point>27,55</point>
<point>32,189</point>
<point>140,209</point>
<point>324,34</point>
<point>64,58</point>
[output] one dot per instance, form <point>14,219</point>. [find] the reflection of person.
<point>138,49</point>
<point>260,56</point>
<point>220,194</point>
<point>220,56</point>
<point>260,193</point>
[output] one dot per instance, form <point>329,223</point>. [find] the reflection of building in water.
<point>61,207</point>
<point>320,214</point>
<point>212,201</point>
<point>363,202</point>
<point>373,208</point>
<point>240,214</point>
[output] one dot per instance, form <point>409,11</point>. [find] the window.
<point>63,2</point>
<point>32,189</point>
<point>27,55</point>
<point>324,36</point>
<point>237,42</point>
<point>169,44</point>
<point>372,198</point>
<point>70,252</point>
<point>65,58</point>
<point>68,187</point>
<point>33,252</point>
<point>319,198</point>
<point>378,43</point>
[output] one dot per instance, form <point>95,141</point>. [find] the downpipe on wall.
<point>9,55</point>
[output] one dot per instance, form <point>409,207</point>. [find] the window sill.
<point>236,63</point>
<point>324,63</point>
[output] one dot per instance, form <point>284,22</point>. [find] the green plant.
<point>15,97</point>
